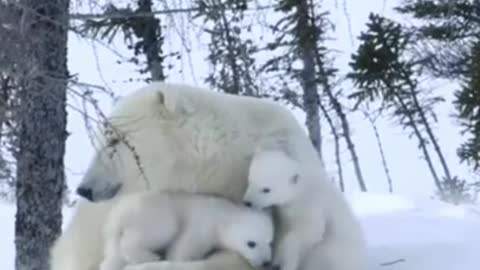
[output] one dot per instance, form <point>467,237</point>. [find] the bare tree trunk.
<point>231,55</point>
<point>336,138</point>
<point>306,48</point>
<point>4,89</point>
<point>429,131</point>
<point>316,60</point>
<point>382,153</point>
<point>348,138</point>
<point>42,134</point>
<point>6,175</point>
<point>150,32</point>
<point>423,146</point>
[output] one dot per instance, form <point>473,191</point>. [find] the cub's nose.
<point>265,264</point>
<point>86,193</point>
<point>247,204</point>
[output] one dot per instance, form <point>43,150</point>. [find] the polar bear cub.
<point>316,228</point>
<point>186,227</point>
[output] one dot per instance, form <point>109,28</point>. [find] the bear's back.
<point>204,138</point>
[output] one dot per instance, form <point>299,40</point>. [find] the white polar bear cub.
<point>186,226</point>
<point>317,229</point>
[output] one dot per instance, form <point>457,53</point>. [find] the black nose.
<point>85,193</point>
<point>266,264</point>
<point>247,204</point>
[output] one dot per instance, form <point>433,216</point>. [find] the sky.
<point>94,63</point>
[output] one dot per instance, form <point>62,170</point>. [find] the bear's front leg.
<point>287,252</point>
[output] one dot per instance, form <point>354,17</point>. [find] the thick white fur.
<point>316,227</point>
<point>186,139</point>
<point>186,227</point>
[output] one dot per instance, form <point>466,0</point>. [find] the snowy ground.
<point>419,234</point>
<point>403,233</point>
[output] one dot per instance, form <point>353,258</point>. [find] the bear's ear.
<point>164,103</point>
<point>169,104</point>
<point>295,178</point>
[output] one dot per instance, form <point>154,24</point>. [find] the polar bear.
<point>316,228</point>
<point>186,226</point>
<point>179,138</point>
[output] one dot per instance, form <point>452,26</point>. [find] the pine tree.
<point>233,68</point>
<point>141,31</point>
<point>383,71</point>
<point>448,34</point>
<point>302,30</point>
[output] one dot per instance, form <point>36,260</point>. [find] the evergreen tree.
<point>384,71</point>
<point>233,68</point>
<point>302,31</point>
<point>141,31</point>
<point>449,36</point>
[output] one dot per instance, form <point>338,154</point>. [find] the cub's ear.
<point>295,178</point>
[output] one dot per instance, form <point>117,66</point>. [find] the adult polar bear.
<point>174,137</point>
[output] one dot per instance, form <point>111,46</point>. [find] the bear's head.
<point>250,233</point>
<point>132,146</point>
<point>273,179</point>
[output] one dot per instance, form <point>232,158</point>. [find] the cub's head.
<point>251,235</point>
<point>273,179</point>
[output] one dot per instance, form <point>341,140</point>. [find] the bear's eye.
<point>251,244</point>
<point>265,190</point>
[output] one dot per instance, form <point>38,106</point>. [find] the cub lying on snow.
<point>187,226</point>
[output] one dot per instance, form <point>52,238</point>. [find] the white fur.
<point>186,227</point>
<point>186,139</point>
<point>317,229</point>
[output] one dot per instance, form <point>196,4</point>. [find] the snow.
<point>417,234</point>
<point>404,233</point>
